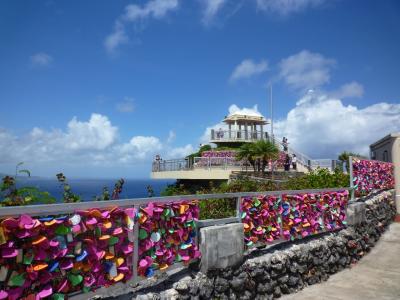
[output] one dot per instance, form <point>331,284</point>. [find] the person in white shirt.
<point>294,162</point>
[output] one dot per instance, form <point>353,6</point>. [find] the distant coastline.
<point>88,188</point>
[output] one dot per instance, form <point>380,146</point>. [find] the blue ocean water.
<point>87,189</point>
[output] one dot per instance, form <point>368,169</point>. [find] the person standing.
<point>294,162</point>
<point>285,144</point>
<point>287,163</point>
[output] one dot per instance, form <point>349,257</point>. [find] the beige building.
<point>388,149</point>
<point>383,149</point>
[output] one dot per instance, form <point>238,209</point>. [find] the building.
<point>220,162</point>
<point>388,149</point>
<point>383,149</point>
<point>216,165</point>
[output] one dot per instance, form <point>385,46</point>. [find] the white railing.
<point>237,135</point>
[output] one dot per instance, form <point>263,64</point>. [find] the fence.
<point>238,135</point>
<point>62,249</point>
<point>369,175</point>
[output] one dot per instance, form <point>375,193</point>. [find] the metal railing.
<point>69,208</point>
<point>185,164</point>
<point>306,161</point>
<point>216,162</point>
<point>171,165</point>
<point>238,135</point>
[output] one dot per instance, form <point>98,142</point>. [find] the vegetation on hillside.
<point>222,208</point>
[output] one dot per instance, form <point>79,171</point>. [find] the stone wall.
<point>287,268</point>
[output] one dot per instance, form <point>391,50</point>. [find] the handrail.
<point>237,135</point>
<point>46,209</point>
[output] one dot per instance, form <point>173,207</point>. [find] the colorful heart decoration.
<point>166,234</point>
<point>58,252</point>
<point>370,175</point>
<point>267,219</point>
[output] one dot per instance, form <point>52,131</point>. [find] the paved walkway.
<point>376,276</point>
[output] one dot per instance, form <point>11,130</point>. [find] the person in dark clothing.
<point>287,163</point>
<point>285,144</point>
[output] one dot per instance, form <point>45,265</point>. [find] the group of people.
<point>289,159</point>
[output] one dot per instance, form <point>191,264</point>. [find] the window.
<point>385,156</point>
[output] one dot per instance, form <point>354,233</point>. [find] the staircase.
<point>305,163</point>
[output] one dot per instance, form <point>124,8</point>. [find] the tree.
<point>258,154</point>
<point>344,158</point>
<point>265,151</point>
<point>247,152</point>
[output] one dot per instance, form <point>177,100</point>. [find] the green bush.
<point>223,208</point>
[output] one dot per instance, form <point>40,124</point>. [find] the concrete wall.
<point>221,246</point>
<point>202,173</point>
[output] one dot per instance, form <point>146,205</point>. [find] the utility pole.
<point>272,128</point>
<point>271,109</point>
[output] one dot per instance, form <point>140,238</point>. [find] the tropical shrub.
<point>10,195</point>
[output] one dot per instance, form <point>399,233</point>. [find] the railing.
<point>171,165</point>
<point>237,135</point>
<point>217,162</point>
<point>306,161</point>
<point>75,247</point>
<point>231,162</point>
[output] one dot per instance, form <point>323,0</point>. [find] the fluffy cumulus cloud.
<point>94,142</point>
<point>287,7</point>
<point>306,70</point>
<point>41,59</point>
<point>248,68</point>
<point>322,126</point>
<point>252,111</point>
<point>126,105</point>
<point>156,9</point>
<point>211,8</point>
<point>349,90</point>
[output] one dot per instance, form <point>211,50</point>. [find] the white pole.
<point>272,115</point>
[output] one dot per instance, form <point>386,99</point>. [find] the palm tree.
<point>265,151</point>
<point>258,154</point>
<point>247,153</point>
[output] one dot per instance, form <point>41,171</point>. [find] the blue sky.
<point>97,88</point>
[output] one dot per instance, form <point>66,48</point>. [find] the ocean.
<point>87,189</point>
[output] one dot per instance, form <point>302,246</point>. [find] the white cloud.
<point>211,8</point>
<point>139,147</point>
<point>306,70</point>
<point>252,111</point>
<point>156,9</point>
<point>322,127</point>
<point>41,59</point>
<point>180,152</point>
<point>82,145</point>
<point>287,7</point>
<point>116,38</point>
<point>349,90</point>
<point>248,68</point>
<point>96,134</point>
<point>171,136</point>
<point>125,106</point>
